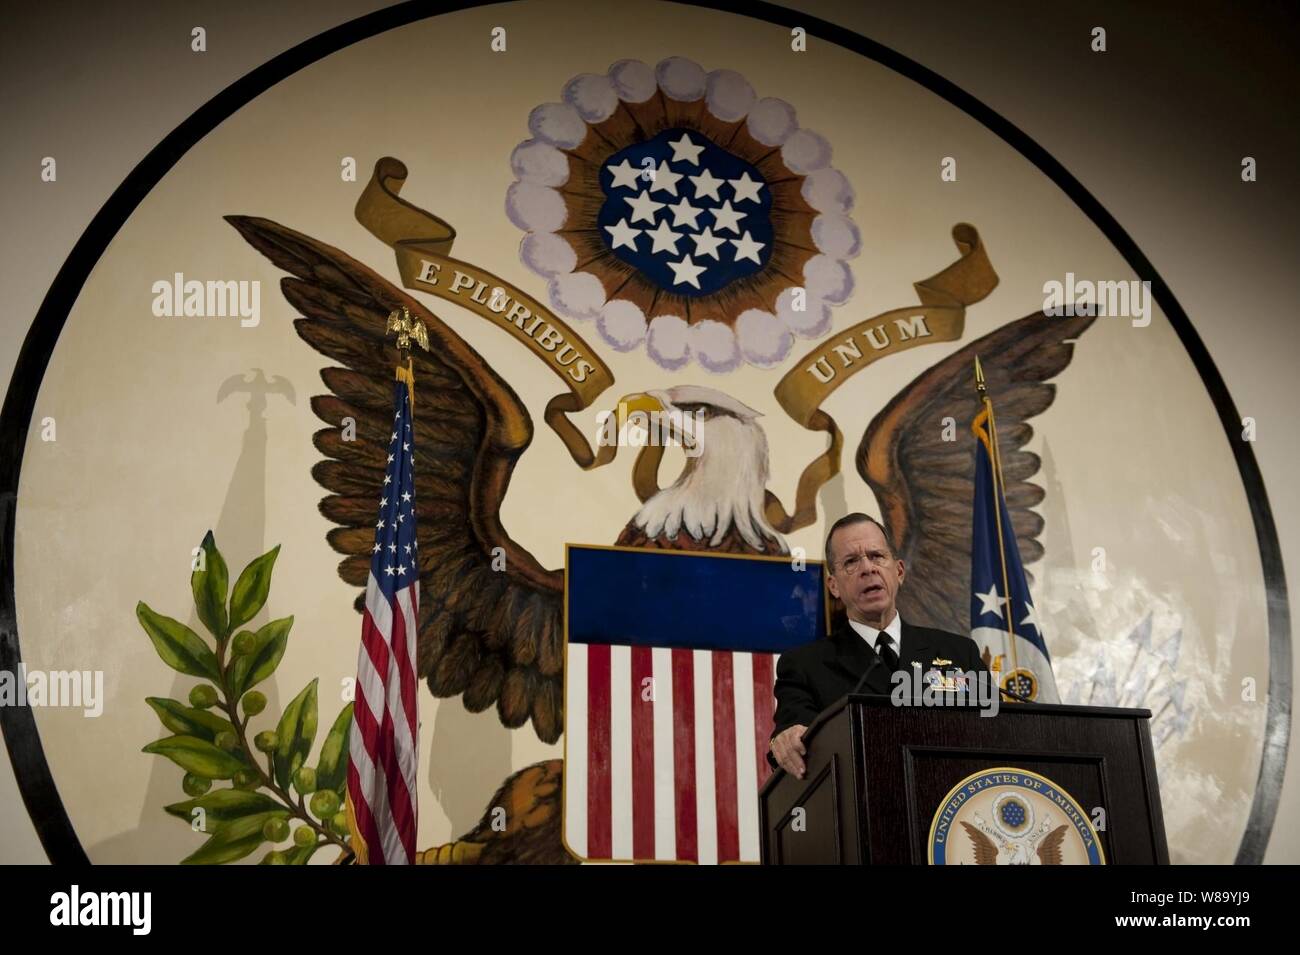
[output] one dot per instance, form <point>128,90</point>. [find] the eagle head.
<point>717,501</point>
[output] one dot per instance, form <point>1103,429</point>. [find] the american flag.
<point>385,727</point>
<point>669,699</point>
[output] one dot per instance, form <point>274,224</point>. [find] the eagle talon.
<point>451,853</point>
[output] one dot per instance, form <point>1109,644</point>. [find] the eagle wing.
<point>490,615</point>
<point>421,336</point>
<point>986,853</point>
<point>1049,850</point>
<point>925,485</point>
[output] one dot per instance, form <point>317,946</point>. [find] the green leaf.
<point>299,855</point>
<point>251,589</point>
<point>188,721</point>
<point>233,841</point>
<point>297,731</point>
<point>210,586</point>
<point>268,647</point>
<point>224,805</point>
<point>197,756</point>
<point>332,770</point>
<point>178,645</point>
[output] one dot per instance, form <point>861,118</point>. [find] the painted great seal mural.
<point>791,248</point>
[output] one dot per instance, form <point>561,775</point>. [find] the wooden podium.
<point>877,773</point>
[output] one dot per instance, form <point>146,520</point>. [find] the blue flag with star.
<point>1002,617</point>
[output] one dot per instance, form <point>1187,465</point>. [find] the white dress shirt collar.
<point>869,634</point>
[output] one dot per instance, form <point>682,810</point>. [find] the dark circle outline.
<point>31,769</point>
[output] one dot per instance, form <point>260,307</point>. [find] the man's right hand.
<point>788,750</point>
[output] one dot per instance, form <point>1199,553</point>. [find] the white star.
<point>991,602</point>
<point>380,525</point>
<point>665,179</point>
<point>625,175</point>
<point>727,217</point>
<point>408,548</point>
<point>686,151</point>
<point>394,436</point>
<point>376,550</point>
<point>683,211</point>
<point>406,495</point>
<point>390,459</point>
<point>1031,618</point>
<point>387,480</point>
<point>747,248</point>
<point>383,503</point>
<point>706,184</point>
<point>392,548</point>
<point>643,207</point>
<point>664,238</point>
<point>388,571</point>
<point>405,446</point>
<point>686,271</point>
<point>746,189</point>
<point>401,570</point>
<point>622,234</point>
<point>706,243</point>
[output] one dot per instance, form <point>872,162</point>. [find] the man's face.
<point>866,575</point>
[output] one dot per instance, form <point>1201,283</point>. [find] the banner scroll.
<point>941,317</point>
<point>422,243</point>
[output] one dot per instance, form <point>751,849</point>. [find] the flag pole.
<point>995,461</point>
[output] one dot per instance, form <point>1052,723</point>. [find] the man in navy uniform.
<point>863,572</point>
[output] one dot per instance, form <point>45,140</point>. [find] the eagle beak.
<point>629,404</point>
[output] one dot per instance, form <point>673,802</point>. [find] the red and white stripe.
<point>385,728</point>
<point>675,777</point>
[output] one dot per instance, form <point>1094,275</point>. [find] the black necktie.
<point>886,651</point>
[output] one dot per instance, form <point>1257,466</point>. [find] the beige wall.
<point>1195,251</point>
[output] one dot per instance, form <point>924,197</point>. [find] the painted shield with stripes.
<point>670,661</point>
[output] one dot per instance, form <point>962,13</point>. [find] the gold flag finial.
<point>407,328</point>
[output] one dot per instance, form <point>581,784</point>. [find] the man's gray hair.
<point>848,520</point>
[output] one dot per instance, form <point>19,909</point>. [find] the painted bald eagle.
<point>717,502</point>
<point>495,637</point>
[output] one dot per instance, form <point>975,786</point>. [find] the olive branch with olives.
<point>211,735</point>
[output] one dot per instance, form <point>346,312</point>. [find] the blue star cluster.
<point>688,215</point>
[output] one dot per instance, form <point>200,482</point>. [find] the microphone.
<point>874,663</point>
<point>1015,696</point>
